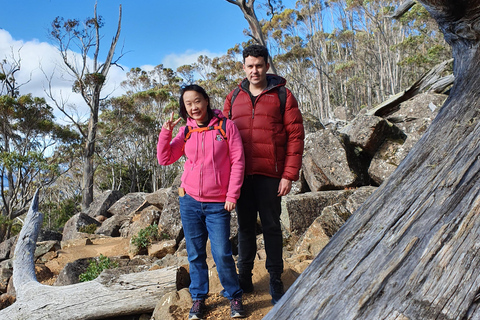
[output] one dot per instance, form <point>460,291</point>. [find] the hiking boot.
<point>245,281</point>
<point>198,310</point>
<point>236,308</point>
<point>276,288</point>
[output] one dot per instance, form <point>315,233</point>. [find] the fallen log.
<point>109,295</point>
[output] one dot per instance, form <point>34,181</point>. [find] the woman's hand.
<point>170,124</point>
<point>229,206</point>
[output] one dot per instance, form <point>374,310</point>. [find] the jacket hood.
<point>273,81</point>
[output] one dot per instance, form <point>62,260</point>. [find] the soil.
<point>257,304</point>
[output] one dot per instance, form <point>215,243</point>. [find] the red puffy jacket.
<point>273,143</point>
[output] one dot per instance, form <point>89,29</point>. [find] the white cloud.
<point>40,60</point>
<point>174,60</point>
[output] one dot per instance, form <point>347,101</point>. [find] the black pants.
<point>259,194</point>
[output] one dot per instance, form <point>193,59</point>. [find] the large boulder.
<point>304,208</point>
<point>122,212</point>
<point>330,163</point>
<point>128,203</point>
<point>102,203</point>
<point>73,227</point>
<point>7,247</point>
<point>369,132</point>
<point>413,118</point>
<point>170,222</point>
<point>141,220</point>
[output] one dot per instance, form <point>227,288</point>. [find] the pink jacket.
<point>214,169</point>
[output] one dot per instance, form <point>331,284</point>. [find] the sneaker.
<point>245,280</point>
<point>276,288</point>
<point>198,310</point>
<point>236,308</point>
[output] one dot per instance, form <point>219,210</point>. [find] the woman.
<point>211,182</point>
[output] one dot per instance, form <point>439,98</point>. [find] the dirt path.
<point>257,304</point>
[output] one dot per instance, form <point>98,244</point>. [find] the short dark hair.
<point>193,87</point>
<point>255,50</point>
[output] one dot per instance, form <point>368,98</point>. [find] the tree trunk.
<point>411,251</point>
<point>247,7</point>
<point>109,295</point>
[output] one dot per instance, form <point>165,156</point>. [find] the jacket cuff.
<point>233,200</point>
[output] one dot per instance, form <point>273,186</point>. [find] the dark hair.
<point>193,87</point>
<point>255,50</point>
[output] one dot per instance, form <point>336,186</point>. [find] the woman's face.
<point>196,106</point>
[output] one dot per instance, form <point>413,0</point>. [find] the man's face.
<point>256,70</point>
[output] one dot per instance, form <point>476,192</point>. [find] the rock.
<point>413,118</point>
<point>173,306</point>
<point>42,272</point>
<point>72,228</point>
<point>358,197</point>
<point>369,132</point>
<point>7,247</point>
<point>112,226</point>
<point>5,274</point>
<point>332,218</point>
<point>162,248</point>
<point>330,163</point>
<point>6,300</point>
<point>46,246</point>
<point>158,198</point>
<point>102,203</point>
<point>304,208</point>
<point>141,220</point>
<point>313,240</point>
<point>171,260</point>
<point>170,221</point>
<point>71,272</point>
<point>49,235</point>
<point>128,203</point>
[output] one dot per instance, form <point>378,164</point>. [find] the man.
<point>272,134</point>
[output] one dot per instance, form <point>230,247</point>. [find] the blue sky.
<point>151,30</point>
<point>168,32</point>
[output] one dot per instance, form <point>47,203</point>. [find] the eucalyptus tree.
<point>129,130</point>
<point>28,134</point>
<point>89,74</point>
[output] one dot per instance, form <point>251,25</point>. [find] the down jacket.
<point>273,143</point>
<point>214,168</point>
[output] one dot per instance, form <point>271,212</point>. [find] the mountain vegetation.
<point>338,57</point>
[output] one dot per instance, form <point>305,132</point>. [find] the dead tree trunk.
<point>107,296</point>
<point>412,250</point>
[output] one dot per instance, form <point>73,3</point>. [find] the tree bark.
<point>107,296</point>
<point>411,251</point>
<point>247,7</point>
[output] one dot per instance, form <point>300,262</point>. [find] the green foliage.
<point>96,267</point>
<point>88,228</point>
<point>146,236</point>
<point>57,213</point>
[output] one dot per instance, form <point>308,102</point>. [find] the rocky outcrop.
<point>341,169</point>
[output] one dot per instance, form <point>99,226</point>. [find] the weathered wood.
<point>107,296</point>
<point>412,250</point>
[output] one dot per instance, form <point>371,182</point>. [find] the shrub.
<point>145,236</point>
<point>96,267</point>
<point>88,228</point>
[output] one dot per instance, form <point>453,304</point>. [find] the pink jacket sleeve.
<point>168,150</point>
<point>237,162</point>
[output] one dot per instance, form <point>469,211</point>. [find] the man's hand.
<point>284,187</point>
<point>229,206</point>
<point>170,124</point>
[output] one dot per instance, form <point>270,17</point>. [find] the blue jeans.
<point>208,219</point>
